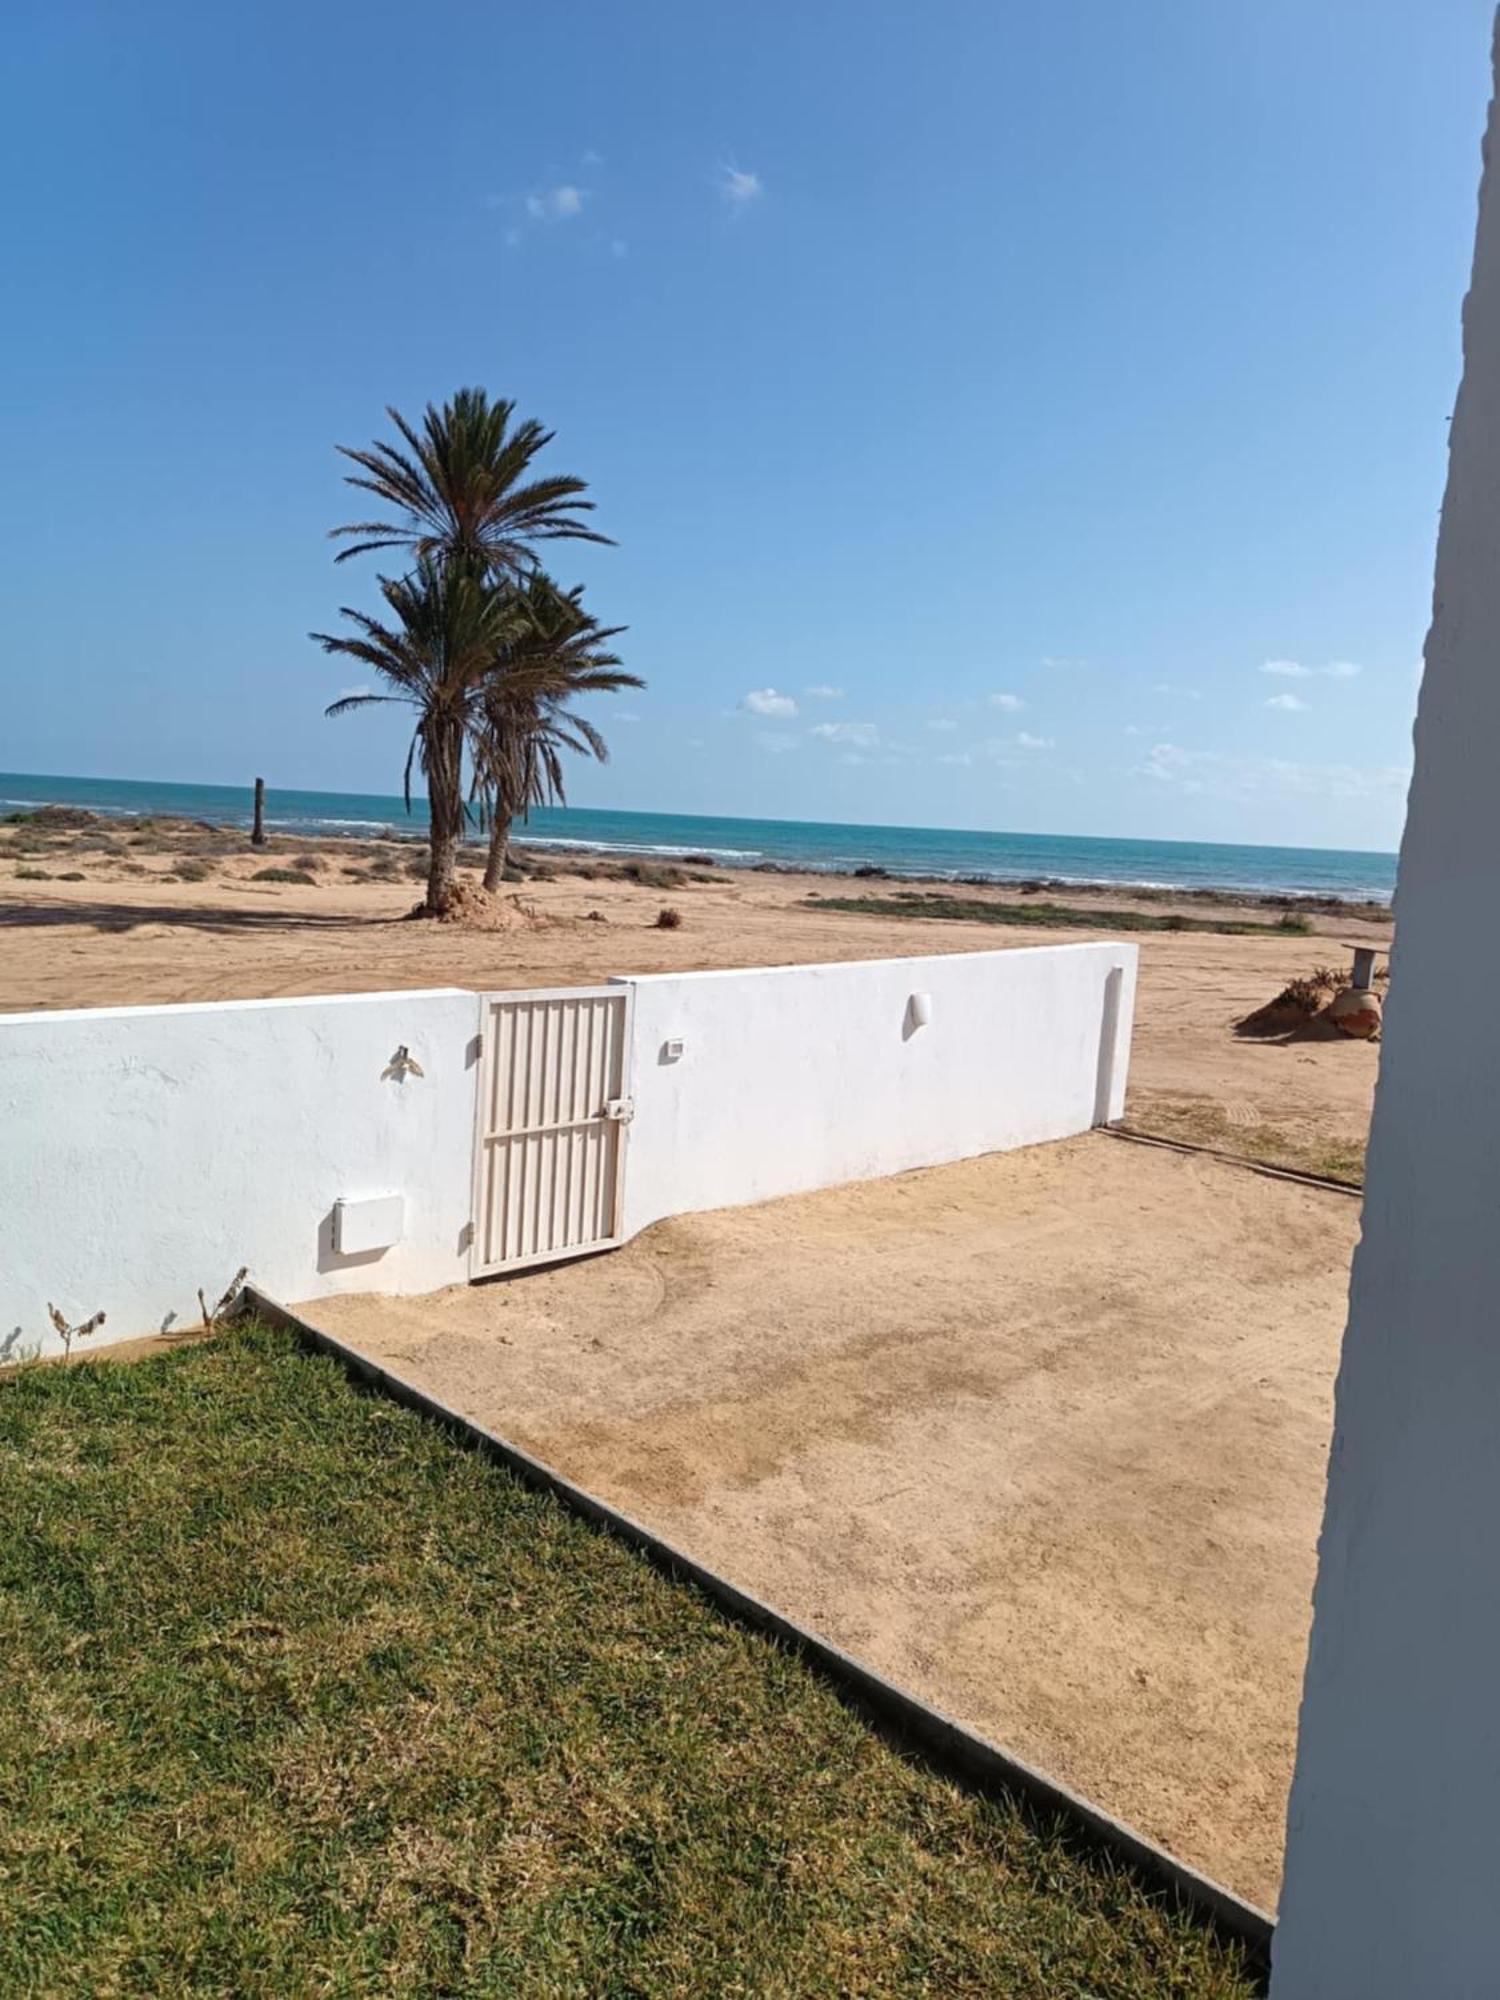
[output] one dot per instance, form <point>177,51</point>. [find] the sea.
<point>947,853</point>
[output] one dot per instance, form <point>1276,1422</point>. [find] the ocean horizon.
<point>820,847</point>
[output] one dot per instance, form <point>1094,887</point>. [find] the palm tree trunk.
<point>446,805</point>
<point>494,867</point>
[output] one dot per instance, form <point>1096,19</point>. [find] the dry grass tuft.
<point>1296,1006</point>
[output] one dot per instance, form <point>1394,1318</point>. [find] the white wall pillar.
<point>1393,1844</point>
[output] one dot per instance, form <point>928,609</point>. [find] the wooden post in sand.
<point>258,831</point>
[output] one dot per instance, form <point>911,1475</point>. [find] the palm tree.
<point>451,625</point>
<point>462,489</point>
<point>525,725</point>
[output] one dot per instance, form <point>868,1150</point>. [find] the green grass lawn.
<point>1053,916</point>
<point>302,1699</point>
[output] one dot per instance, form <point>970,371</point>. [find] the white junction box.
<point>369,1222</point>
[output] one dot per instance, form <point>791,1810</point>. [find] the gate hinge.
<point>621,1109</point>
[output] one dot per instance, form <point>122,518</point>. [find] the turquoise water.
<point>902,850</point>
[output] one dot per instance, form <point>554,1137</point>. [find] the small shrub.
<point>1295,922</point>
<point>73,875</point>
<point>296,875</point>
<point>1298,1003</point>
<point>669,918</point>
<point>311,862</point>
<point>652,875</point>
<point>32,875</point>
<point>189,869</point>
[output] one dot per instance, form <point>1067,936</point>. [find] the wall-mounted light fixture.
<point>919,1009</point>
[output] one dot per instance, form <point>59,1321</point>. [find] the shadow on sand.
<point>121,917</point>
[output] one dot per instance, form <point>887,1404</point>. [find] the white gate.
<point>549,1148</point>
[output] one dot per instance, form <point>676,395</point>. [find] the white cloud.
<point>557,204</point>
<point>1269,777</point>
<point>956,757</point>
<point>864,735</point>
<point>590,158</point>
<point>1009,702</point>
<point>766,701</point>
<point>942,722</point>
<point>777,741</point>
<point>738,189</point>
<point>512,237</point>
<point>853,757</point>
<point>1290,704</point>
<point>1026,741</point>
<point>1293,670</point>
<point>821,692</point>
<point>624,715</point>
<point>619,247</point>
<point>1063,660</point>
<point>1171,687</point>
<point>1164,761</point>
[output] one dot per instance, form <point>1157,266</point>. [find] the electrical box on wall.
<point>370,1222</point>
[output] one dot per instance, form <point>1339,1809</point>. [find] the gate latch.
<point>621,1109</point>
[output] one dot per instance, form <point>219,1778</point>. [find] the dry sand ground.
<point>1041,1436</point>
<point>113,939</point>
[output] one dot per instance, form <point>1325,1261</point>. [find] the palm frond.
<point>463,485</point>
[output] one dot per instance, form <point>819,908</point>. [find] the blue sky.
<point>983,396</point>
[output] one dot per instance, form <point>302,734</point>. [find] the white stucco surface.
<point>147,1151</point>
<point>1393,1847</point>
<point>804,1076</point>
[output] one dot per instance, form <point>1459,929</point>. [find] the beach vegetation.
<point>561,654</point>
<point>303,1698</point>
<point>467,506</point>
<point>1050,916</point>
<point>463,488</point>
<point>448,626</point>
<point>298,876</point>
<point>669,918</point>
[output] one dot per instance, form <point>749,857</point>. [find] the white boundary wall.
<point>1393,1831</point>
<point>145,1151</point>
<point>804,1076</point>
<point>148,1151</point>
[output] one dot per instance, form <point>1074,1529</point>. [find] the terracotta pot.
<point>1356,1011</point>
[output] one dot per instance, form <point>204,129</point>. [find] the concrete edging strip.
<point>959,1752</point>
<point>1293,1174</point>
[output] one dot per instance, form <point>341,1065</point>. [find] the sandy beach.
<point>98,915</point>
